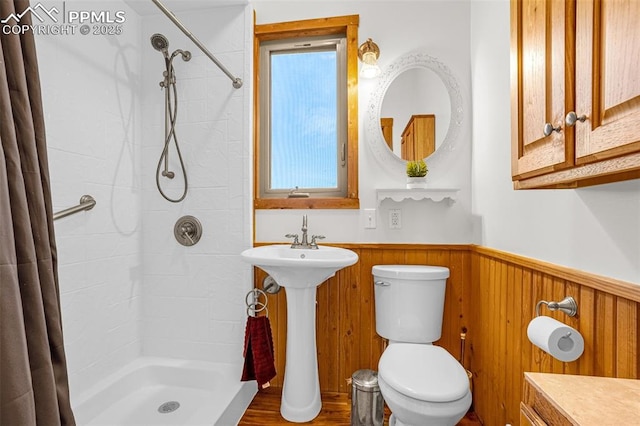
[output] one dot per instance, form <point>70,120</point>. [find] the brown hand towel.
<point>259,362</point>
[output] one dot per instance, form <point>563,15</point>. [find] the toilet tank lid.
<point>411,272</point>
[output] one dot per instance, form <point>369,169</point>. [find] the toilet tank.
<point>409,301</point>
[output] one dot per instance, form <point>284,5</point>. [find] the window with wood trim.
<point>306,114</point>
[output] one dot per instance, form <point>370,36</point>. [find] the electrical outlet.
<point>369,218</point>
<point>395,218</point>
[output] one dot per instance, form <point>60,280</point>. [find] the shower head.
<point>160,43</point>
<point>186,55</point>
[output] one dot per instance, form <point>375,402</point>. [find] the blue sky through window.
<point>304,120</point>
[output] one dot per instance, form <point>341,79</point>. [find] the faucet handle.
<point>294,236</point>
<point>314,238</point>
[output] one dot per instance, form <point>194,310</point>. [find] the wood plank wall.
<point>346,331</point>
<point>491,293</point>
<point>505,292</point>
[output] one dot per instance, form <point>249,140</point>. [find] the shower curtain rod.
<point>237,81</point>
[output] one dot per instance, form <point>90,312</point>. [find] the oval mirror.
<point>415,111</point>
<point>415,102</point>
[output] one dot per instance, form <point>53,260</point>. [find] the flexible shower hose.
<point>171,116</point>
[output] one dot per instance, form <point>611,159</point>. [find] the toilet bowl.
<point>421,383</point>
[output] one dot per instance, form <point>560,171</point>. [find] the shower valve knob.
<point>188,231</point>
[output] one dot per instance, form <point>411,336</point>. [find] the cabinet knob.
<point>572,118</point>
<point>548,129</point>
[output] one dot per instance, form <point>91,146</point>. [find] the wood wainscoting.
<point>346,329</point>
<point>491,293</point>
<point>505,292</point>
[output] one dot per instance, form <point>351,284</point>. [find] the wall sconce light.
<point>368,52</point>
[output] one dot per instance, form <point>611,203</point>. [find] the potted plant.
<point>416,174</point>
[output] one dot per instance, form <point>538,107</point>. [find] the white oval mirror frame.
<point>374,131</point>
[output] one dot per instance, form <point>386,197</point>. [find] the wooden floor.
<point>336,410</point>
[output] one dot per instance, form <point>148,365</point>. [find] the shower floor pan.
<point>157,391</point>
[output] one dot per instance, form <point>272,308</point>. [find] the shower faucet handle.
<point>187,230</point>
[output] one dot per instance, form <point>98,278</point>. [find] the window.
<point>303,134</point>
<point>306,132</point>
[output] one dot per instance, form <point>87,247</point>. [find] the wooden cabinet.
<point>419,137</point>
<point>567,400</point>
<point>386,124</point>
<point>579,57</point>
<point>537,408</point>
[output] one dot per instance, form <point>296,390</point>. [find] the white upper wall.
<point>437,28</point>
<point>595,229</point>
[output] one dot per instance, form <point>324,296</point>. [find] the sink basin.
<point>299,267</point>
<point>300,272</point>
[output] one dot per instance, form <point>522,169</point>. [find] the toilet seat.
<point>423,372</point>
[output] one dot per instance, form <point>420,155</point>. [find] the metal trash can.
<point>367,405</point>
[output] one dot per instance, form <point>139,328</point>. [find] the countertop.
<point>590,400</point>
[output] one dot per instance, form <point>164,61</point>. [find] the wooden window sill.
<point>306,203</point>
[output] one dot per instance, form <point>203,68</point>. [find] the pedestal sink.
<point>300,272</point>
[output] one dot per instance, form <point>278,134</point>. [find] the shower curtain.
<point>33,374</point>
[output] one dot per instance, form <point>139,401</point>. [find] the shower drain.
<point>168,407</point>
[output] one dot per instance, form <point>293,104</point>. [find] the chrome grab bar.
<point>86,203</point>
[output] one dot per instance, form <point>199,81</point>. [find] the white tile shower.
<point>128,289</point>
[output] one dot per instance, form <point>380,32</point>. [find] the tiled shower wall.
<point>92,117</point>
<point>193,304</point>
<point>127,287</point>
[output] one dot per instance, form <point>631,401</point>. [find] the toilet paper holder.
<point>567,305</point>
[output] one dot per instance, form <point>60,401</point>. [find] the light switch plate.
<point>369,218</point>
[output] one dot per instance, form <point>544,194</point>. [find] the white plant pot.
<point>416,182</point>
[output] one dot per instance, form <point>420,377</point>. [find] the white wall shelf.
<point>401,194</point>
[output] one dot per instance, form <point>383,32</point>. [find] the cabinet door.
<point>607,79</point>
<point>419,137</point>
<point>408,146</point>
<point>424,135</point>
<point>528,417</point>
<point>386,124</point>
<point>542,32</point>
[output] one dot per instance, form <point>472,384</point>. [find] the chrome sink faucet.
<point>304,244</point>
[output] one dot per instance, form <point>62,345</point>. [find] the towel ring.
<point>254,306</point>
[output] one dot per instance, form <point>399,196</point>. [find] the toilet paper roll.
<point>555,338</point>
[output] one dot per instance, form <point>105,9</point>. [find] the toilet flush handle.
<point>382,283</point>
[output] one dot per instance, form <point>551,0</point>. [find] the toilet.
<point>421,383</point>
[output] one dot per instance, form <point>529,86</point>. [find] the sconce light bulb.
<point>370,68</point>
<point>370,71</point>
<point>369,56</point>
